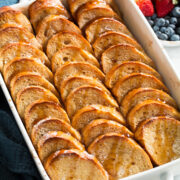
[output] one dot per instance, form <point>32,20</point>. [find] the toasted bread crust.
<point>25,65</point>
<point>116,151</point>
<point>74,69</point>
<point>100,127</point>
<point>51,25</point>
<point>52,124</point>
<point>163,146</point>
<point>42,8</point>
<point>87,95</point>
<point>134,81</point>
<point>23,50</point>
<point>65,39</point>
<point>102,25</point>
<point>30,94</point>
<point>11,16</point>
<point>148,109</point>
<point>87,114</point>
<point>72,54</point>
<point>136,96</point>
<point>24,79</point>
<point>120,53</point>
<point>42,109</point>
<point>54,141</point>
<point>80,159</point>
<point>72,83</point>
<point>111,38</point>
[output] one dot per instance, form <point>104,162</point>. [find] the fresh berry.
<point>176,11</point>
<point>160,22</point>
<point>163,29</point>
<point>175,37</point>
<point>148,18</point>
<point>151,22</point>
<point>146,7</point>
<point>178,30</point>
<point>163,7</point>
<point>154,16</point>
<point>169,31</point>
<point>163,36</point>
<point>158,34</point>
<point>172,26</point>
<point>166,22</point>
<point>173,20</point>
<point>156,28</point>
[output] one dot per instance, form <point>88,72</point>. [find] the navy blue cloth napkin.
<point>16,162</point>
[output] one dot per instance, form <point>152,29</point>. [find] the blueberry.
<point>172,26</point>
<point>151,22</point>
<point>175,37</point>
<point>178,30</point>
<point>154,16</point>
<point>166,22</point>
<point>176,11</point>
<point>163,29</point>
<point>148,17</point>
<point>169,31</point>
<point>158,34</point>
<point>163,36</point>
<point>160,22</point>
<point>173,20</point>
<point>156,28</point>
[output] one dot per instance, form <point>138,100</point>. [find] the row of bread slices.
<point>130,74</point>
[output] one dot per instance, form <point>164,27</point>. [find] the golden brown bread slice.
<point>100,127</point>
<point>74,82</point>
<point>120,156</point>
<point>23,50</point>
<point>102,25</point>
<point>72,54</point>
<point>87,114</point>
<point>160,136</point>
<point>134,81</point>
<point>54,141</point>
<point>74,164</point>
<point>120,53</point>
<point>18,65</point>
<point>136,96</point>
<point>77,69</point>
<point>111,38</point>
<point>65,39</point>
<point>42,109</point>
<point>42,8</point>
<point>93,10</point>
<point>25,79</point>
<point>148,109</point>
<point>128,67</point>
<point>12,16</point>
<point>52,124</point>
<point>87,95</point>
<point>30,94</point>
<point>51,25</point>
<point>12,33</point>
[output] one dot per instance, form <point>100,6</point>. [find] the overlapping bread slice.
<point>87,114</point>
<point>42,8</point>
<point>111,38</point>
<point>148,109</point>
<point>42,109</point>
<point>51,25</point>
<point>72,54</point>
<point>160,136</point>
<point>77,69</point>
<point>25,79</point>
<point>120,53</point>
<point>12,16</point>
<point>128,67</point>
<point>65,39</point>
<point>23,50</point>
<point>54,141</point>
<point>74,164</point>
<point>120,156</point>
<point>93,10</point>
<point>12,33</point>
<point>134,81</point>
<point>100,127</point>
<point>30,94</point>
<point>74,82</point>
<point>18,65</point>
<point>139,95</point>
<point>52,124</point>
<point>102,25</point>
<point>87,95</point>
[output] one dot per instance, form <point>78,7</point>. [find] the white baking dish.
<point>138,25</point>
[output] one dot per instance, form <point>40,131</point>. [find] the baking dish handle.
<point>167,176</point>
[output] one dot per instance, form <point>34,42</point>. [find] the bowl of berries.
<point>164,18</point>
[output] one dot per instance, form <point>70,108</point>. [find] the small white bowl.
<point>170,44</point>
